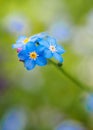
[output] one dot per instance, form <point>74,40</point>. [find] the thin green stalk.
<point>74,80</point>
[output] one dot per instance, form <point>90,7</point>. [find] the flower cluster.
<point>36,49</point>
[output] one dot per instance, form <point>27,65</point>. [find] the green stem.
<point>74,80</point>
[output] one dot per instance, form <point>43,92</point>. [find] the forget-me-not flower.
<point>52,49</point>
<point>23,40</point>
<point>32,55</point>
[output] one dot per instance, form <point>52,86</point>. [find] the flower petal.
<point>40,49</point>
<point>44,43</point>
<point>30,46</point>
<point>58,57</point>
<point>51,41</point>
<point>17,45</point>
<point>33,38</point>
<point>59,49</point>
<point>20,39</point>
<point>29,64</point>
<point>43,34</point>
<point>41,61</point>
<point>48,53</point>
<point>37,37</point>
<point>22,55</point>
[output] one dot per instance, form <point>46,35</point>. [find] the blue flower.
<point>61,30</point>
<point>21,42</point>
<point>16,23</point>
<point>14,119</point>
<point>52,49</point>
<point>32,55</point>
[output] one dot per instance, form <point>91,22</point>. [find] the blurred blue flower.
<point>14,120</point>
<point>52,49</point>
<point>32,55</point>
<point>69,125</point>
<point>89,103</point>
<point>16,23</point>
<point>61,30</point>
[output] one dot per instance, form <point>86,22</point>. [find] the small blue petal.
<point>42,35</point>
<point>51,41</point>
<point>44,43</point>
<point>60,50</point>
<point>20,39</point>
<point>41,61</point>
<point>19,42</point>
<point>58,57</point>
<point>23,55</point>
<point>40,49</point>
<point>30,46</point>
<point>17,45</point>
<point>37,37</point>
<point>48,53</point>
<point>29,64</point>
<point>33,38</point>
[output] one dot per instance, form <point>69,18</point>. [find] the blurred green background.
<point>47,97</point>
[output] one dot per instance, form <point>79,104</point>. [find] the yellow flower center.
<point>52,48</point>
<point>33,55</point>
<point>26,40</point>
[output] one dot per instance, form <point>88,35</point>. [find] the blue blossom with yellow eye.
<point>32,55</point>
<point>52,49</point>
<point>23,40</point>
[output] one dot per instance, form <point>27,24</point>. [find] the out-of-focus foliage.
<point>47,97</point>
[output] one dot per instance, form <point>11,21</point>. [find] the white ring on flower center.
<point>52,48</point>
